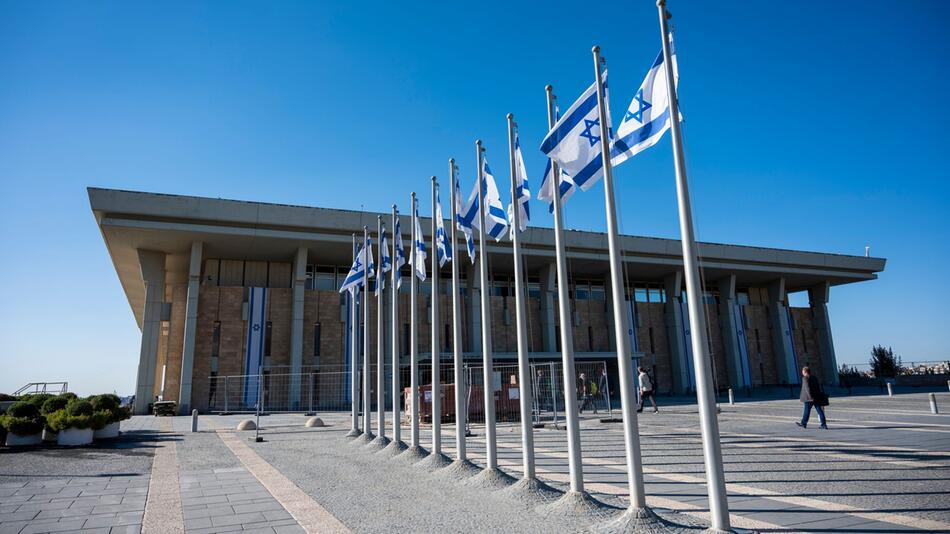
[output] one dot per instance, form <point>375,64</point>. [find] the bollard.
<point>890,389</point>
<point>933,404</point>
<point>732,399</point>
<point>194,420</point>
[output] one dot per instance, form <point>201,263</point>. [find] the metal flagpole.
<point>354,373</point>
<point>397,386</point>
<point>624,362</point>
<point>456,328</point>
<point>567,336</point>
<point>436,352</point>
<point>524,376</point>
<point>413,334</point>
<point>367,412</point>
<point>380,336</point>
<point>705,394</point>
<point>488,384</point>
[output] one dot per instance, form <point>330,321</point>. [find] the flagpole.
<point>436,352</point>
<point>622,338</point>
<point>524,376</point>
<point>488,387</point>
<point>460,453</point>
<point>367,412</point>
<point>567,335</point>
<point>380,338</point>
<point>709,425</point>
<point>397,386</point>
<point>413,333</point>
<point>354,373</point>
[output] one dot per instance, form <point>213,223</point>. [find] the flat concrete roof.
<point>235,229</point>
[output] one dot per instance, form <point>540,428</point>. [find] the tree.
<point>884,364</point>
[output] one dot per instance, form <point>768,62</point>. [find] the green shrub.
<point>79,407</point>
<point>23,418</point>
<point>7,397</point>
<point>110,404</point>
<point>54,404</point>
<point>37,399</point>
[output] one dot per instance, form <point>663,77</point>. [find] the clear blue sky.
<point>810,125</point>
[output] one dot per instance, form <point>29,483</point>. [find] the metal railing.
<point>322,391</point>
<point>43,387</point>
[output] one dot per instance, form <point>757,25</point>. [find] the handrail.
<point>42,387</point>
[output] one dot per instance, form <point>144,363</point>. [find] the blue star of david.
<point>256,327</point>
<point>587,134</point>
<point>642,104</point>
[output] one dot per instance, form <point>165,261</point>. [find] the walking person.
<point>602,386</point>
<point>812,395</point>
<point>584,393</point>
<point>646,390</point>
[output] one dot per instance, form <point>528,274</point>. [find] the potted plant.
<point>51,406</point>
<point>74,423</point>
<point>111,405</point>
<point>24,424</point>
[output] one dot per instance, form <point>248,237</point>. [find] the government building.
<point>188,265</point>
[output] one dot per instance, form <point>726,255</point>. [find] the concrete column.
<point>673,314</point>
<point>474,322</point>
<point>609,311</point>
<point>781,337</point>
<point>727,325</point>
<point>818,298</point>
<point>548,294</point>
<point>153,275</point>
<point>191,324</point>
<point>296,326</point>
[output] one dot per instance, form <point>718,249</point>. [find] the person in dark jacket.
<point>810,396</point>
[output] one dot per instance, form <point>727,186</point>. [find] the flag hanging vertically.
<point>443,248</point>
<point>385,261</point>
<point>574,143</point>
<point>256,333</point>
<point>417,258</point>
<point>363,262</point>
<point>400,251</point>
<point>464,217</point>
<point>648,116</point>
<point>496,220</point>
<point>522,191</point>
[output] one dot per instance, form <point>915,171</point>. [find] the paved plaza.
<point>884,466</point>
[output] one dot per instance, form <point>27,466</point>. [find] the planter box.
<point>49,435</point>
<point>107,432</point>
<point>16,440</point>
<point>74,436</point>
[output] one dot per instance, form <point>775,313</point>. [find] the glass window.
<point>640,294</point>
<point>534,289</point>
<point>597,291</point>
<point>316,340</point>
<point>325,279</point>
<point>655,294</point>
<point>742,297</point>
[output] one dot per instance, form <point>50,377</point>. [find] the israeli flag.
<point>386,262</point>
<point>418,256</point>
<point>463,218</point>
<point>496,220</point>
<point>400,252</point>
<point>574,142</point>
<point>648,116</point>
<point>443,248</point>
<point>566,184</point>
<point>522,192</point>
<point>362,263</point>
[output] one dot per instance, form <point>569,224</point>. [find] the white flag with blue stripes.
<point>363,264</point>
<point>464,217</point>
<point>566,184</point>
<point>400,252</point>
<point>496,220</point>
<point>648,116</point>
<point>522,192</point>
<point>385,260</point>
<point>574,142</point>
<point>443,248</point>
<point>417,258</point>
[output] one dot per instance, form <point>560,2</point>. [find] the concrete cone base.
<point>412,455</point>
<point>577,504</point>
<point>650,522</point>
<point>434,462</point>
<point>532,492</point>
<point>458,470</point>
<point>393,449</point>
<point>363,439</point>
<point>491,479</point>
<point>380,443</point>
